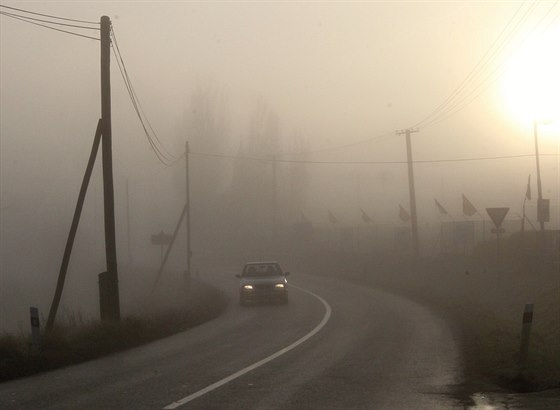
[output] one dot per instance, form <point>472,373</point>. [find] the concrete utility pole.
<point>188,216</point>
<point>412,193</point>
<point>108,281</point>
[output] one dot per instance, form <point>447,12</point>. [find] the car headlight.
<point>248,287</point>
<point>279,286</point>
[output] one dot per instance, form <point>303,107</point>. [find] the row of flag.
<point>468,209</point>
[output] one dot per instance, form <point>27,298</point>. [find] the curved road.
<point>348,347</point>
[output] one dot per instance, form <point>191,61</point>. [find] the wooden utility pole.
<point>188,216</point>
<point>274,199</point>
<point>109,283</point>
<point>169,248</point>
<point>411,190</point>
<point>539,184</point>
<point>73,229</point>
<point>128,224</point>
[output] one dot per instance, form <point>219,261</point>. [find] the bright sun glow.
<point>531,82</point>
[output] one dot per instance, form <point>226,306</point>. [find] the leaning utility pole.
<point>108,281</point>
<point>73,229</point>
<point>188,216</point>
<point>412,193</point>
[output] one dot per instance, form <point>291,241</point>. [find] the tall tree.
<point>252,185</point>
<point>299,177</point>
<point>206,129</point>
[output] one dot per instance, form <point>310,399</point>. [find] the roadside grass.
<point>483,303</point>
<point>486,306</point>
<point>77,341</point>
<point>491,347</point>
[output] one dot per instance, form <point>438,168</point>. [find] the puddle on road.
<point>547,400</point>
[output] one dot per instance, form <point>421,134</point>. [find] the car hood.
<point>263,280</point>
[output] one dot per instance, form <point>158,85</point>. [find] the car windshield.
<point>262,269</point>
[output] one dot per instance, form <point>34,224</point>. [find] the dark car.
<point>263,282</point>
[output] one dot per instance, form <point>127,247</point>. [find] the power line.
<point>135,97</point>
<point>459,99</point>
<point>160,156</point>
<point>163,155</point>
<point>455,99</point>
<point>48,15</point>
<point>377,138</point>
<point>270,159</point>
<point>463,83</point>
<point>486,83</point>
<point>50,22</point>
<point>45,26</point>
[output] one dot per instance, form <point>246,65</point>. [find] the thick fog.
<point>287,107</point>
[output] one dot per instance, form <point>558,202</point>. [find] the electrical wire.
<point>378,138</point>
<point>45,26</point>
<point>163,155</point>
<point>483,61</point>
<point>50,22</point>
<point>160,156</point>
<point>132,88</point>
<point>48,15</point>
<point>459,96</point>
<point>486,83</point>
<point>271,159</point>
<point>459,99</point>
<point>481,65</point>
<point>456,102</point>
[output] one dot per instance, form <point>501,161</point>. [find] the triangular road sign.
<point>497,215</point>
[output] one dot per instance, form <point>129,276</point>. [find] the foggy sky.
<point>338,72</point>
<point>334,72</point>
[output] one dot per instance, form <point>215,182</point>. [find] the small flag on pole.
<point>403,215</point>
<point>365,217</point>
<point>528,192</point>
<point>440,207</point>
<point>468,207</point>
<point>332,218</point>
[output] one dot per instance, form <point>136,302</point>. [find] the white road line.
<point>247,369</point>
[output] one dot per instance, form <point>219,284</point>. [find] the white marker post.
<point>35,328</point>
<point>525,334</point>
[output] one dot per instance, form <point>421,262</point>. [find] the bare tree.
<point>299,177</point>
<point>252,179</point>
<point>207,132</point>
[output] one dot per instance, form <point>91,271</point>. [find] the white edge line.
<point>273,356</point>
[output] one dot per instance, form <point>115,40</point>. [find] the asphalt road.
<point>342,347</point>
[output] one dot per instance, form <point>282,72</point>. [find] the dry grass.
<point>77,341</point>
<point>483,302</point>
